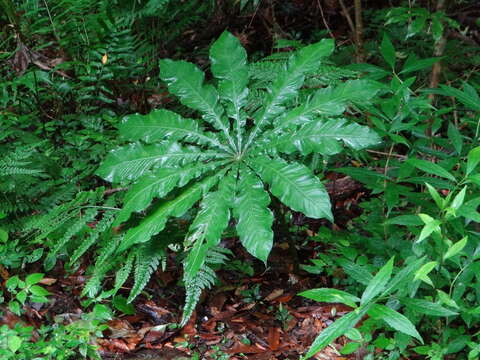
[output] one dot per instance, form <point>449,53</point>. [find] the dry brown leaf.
<point>274,338</point>
<point>274,294</point>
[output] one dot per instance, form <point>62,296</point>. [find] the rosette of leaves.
<point>234,157</point>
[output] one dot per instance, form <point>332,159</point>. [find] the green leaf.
<point>435,196</point>
<point>425,270</point>
<point>378,283</point>
<point>229,64</point>
<point>427,307</point>
<point>413,64</point>
<point>21,296</point>
<point>330,101</point>
<point>3,236</point>
<point>431,225</point>
<point>324,137</point>
<point>331,296</point>
<point>155,221</point>
<point>469,210</point>
<point>12,283</point>
<point>33,278</point>
<point>132,161</point>
<point>207,228</point>
<point>289,80</point>
<point>147,259</point>
<point>14,306</point>
<point>468,97</point>
<point>455,248</point>
<point>185,80</point>
<point>102,312</point>
<point>350,348</point>
<point>437,28</point>
<point>388,51</point>
<point>119,302</point>
<point>14,343</point>
<point>459,198</point>
<point>254,218</point>
<point>163,124</point>
<point>473,159</point>
<point>455,137</point>
<point>407,220</point>
<point>158,184</point>
<point>403,276</point>
<point>355,271</point>
<point>39,291</point>
<point>394,319</point>
<point>446,299</point>
<point>296,186</point>
<point>430,168</point>
<point>338,328</point>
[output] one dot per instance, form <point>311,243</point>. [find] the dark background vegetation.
<point>71,69</point>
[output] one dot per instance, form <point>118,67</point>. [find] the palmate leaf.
<point>158,184</point>
<point>132,161</point>
<point>324,137</point>
<point>296,186</point>
<point>254,218</point>
<point>164,124</point>
<point>155,221</point>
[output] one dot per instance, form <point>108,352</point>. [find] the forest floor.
<point>253,313</point>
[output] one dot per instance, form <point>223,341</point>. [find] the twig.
<point>325,21</point>
<point>403,157</point>
<point>114,190</point>
<point>347,16</point>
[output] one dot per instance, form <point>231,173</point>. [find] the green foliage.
<point>233,159</point>
<point>22,291</point>
<point>70,341</point>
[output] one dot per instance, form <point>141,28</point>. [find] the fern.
<point>205,278</point>
<point>147,260</point>
<point>16,162</point>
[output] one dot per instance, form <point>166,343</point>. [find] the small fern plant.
<point>233,157</point>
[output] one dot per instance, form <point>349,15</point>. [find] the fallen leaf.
<point>47,281</point>
<point>273,338</point>
<point>247,349</point>
<point>274,294</point>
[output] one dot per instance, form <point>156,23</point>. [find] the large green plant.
<point>231,155</point>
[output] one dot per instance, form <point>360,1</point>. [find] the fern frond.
<point>122,275</point>
<point>147,260</point>
<point>205,278</point>
<point>101,227</point>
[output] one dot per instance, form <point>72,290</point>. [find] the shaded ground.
<point>253,313</point>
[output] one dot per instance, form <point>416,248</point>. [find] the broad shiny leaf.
<point>254,218</point>
<point>185,80</point>
<point>155,221</point>
<point>158,184</point>
<point>324,137</point>
<point>296,186</point>
<point>132,161</point>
